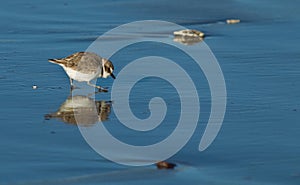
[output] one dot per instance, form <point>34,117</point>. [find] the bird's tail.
<point>55,61</point>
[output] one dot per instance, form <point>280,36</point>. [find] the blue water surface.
<point>260,60</point>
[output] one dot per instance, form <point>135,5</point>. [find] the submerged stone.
<point>165,165</point>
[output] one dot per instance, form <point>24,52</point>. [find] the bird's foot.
<point>74,87</point>
<point>102,89</point>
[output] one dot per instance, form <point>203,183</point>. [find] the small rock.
<point>233,21</point>
<point>34,87</point>
<point>189,33</point>
<point>165,165</point>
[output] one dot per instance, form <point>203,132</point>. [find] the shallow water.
<point>258,142</point>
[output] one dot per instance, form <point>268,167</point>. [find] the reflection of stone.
<point>82,110</point>
<point>187,40</point>
<point>189,33</point>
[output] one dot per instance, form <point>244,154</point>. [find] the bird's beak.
<point>113,76</point>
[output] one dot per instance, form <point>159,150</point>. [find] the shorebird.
<point>84,67</point>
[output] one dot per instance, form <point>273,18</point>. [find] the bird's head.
<point>107,69</point>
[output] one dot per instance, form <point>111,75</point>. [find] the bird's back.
<point>83,62</point>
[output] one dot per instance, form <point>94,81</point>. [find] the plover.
<point>85,66</point>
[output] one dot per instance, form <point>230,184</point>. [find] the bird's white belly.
<point>81,77</point>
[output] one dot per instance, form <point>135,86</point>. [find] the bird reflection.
<point>82,110</point>
<point>187,40</point>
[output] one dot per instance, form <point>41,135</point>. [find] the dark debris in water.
<point>165,165</point>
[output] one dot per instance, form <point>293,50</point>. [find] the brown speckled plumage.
<point>84,62</point>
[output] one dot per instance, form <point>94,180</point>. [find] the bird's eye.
<point>107,69</point>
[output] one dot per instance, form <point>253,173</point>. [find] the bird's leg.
<point>93,85</point>
<point>97,86</point>
<point>72,86</point>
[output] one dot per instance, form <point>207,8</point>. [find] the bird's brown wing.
<point>84,62</point>
<point>73,60</point>
<point>70,61</point>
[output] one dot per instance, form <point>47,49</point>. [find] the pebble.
<point>233,21</point>
<point>189,33</point>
